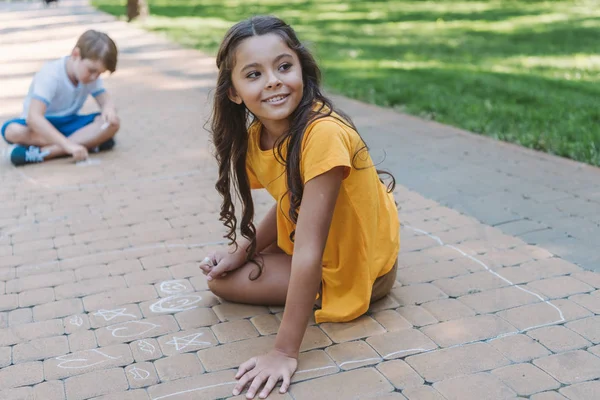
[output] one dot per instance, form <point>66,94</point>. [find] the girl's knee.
<point>220,288</point>
<point>17,133</point>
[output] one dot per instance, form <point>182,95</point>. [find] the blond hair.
<point>96,45</point>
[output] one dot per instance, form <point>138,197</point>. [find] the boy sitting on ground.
<point>50,125</point>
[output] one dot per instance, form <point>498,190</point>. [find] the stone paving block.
<point>558,338</point>
<point>76,323</point>
<point>540,269</point>
<point>178,303</point>
<point>49,390</point>
<point>235,330</point>
<point>417,294</point>
<point>519,348</point>
<point>96,383</point>
<point>572,367</point>
<point>314,364</point>
<point>526,379</point>
<point>115,298</point>
<point>582,391</point>
<point>186,270</point>
<point>362,327</point>
<point>215,385</point>
<point>88,287</point>
<point>231,355</point>
<point>498,299</point>
<point>40,349</point>
<point>199,282</point>
<point>36,296</point>
<point>139,394</point>
<point>386,303</point>
<point>9,302</point>
<point>91,272</point>
<point>469,284</point>
<point>467,330</point>
<point>197,318</point>
<point>400,374</point>
<point>148,277</point>
<point>589,277</point>
<point>172,258</point>
<point>589,328</point>
<point>3,320</point>
<point>39,281</point>
<point>417,315</point>
<point>422,393</point>
<point>265,324</point>
<point>87,361</point>
<point>350,384</point>
<point>391,320</point>
<point>351,355</point>
<point>448,309</point>
<point>21,375</point>
<point>233,311</point>
<point>559,287</point>
<point>82,340</point>
<point>141,375</point>
<point>542,313</point>
<point>474,387</point>
<point>5,357</point>
<point>187,341</point>
<point>431,272</point>
<point>145,350</point>
<point>589,301</point>
<point>314,338</point>
<point>105,317</point>
<point>503,258</point>
<point>125,332</point>
<point>57,309</point>
<point>22,393</point>
<point>20,316</point>
<point>38,330</point>
<point>401,344</point>
<point>548,396</point>
<point>444,364</point>
<point>122,267</point>
<point>178,366</point>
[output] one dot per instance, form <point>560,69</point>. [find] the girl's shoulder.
<point>332,124</point>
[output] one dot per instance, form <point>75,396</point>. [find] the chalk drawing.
<point>80,361</point>
<point>139,374</point>
<point>76,320</point>
<point>176,303</point>
<point>181,343</point>
<point>173,287</point>
<point>133,328</point>
<point>109,315</point>
<point>146,347</point>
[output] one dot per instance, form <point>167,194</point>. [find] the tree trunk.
<point>136,8</point>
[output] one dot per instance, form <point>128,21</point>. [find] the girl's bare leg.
<point>269,289</point>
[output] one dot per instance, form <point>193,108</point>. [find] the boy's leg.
<point>89,136</point>
<point>270,288</point>
<point>19,133</point>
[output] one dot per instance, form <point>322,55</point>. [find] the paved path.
<point>100,296</point>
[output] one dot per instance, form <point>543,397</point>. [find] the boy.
<point>50,125</point>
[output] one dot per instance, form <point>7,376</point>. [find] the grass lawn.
<point>522,71</point>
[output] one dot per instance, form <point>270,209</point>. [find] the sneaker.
<point>21,155</point>
<point>109,144</point>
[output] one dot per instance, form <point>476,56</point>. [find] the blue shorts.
<point>66,125</point>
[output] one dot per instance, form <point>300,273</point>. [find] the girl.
<point>333,234</point>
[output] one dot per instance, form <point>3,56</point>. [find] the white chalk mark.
<point>146,347</point>
<point>87,162</point>
<point>181,343</point>
<point>139,374</point>
<point>84,361</point>
<point>360,361</point>
<point>131,326</point>
<point>176,303</point>
<point>76,320</point>
<point>109,315</point>
<point>419,350</point>
<point>560,313</point>
<point>195,390</point>
<point>173,287</point>
<point>304,371</point>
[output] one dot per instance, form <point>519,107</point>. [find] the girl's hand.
<point>218,264</point>
<point>270,368</point>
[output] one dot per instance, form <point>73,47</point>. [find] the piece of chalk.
<point>104,126</point>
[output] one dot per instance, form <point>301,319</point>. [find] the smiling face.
<point>267,78</point>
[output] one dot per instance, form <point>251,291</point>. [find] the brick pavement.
<point>101,297</point>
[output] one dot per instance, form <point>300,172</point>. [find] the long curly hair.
<point>230,122</point>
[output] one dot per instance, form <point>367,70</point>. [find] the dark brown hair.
<point>95,45</point>
<point>230,122</point>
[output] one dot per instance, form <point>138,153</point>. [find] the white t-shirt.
<point>52,85</point>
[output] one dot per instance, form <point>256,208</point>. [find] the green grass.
<point>522,71</point>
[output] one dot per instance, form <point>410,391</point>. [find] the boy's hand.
<point>110,115</point>
<point>78,152</point>
<point>269,369</point>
